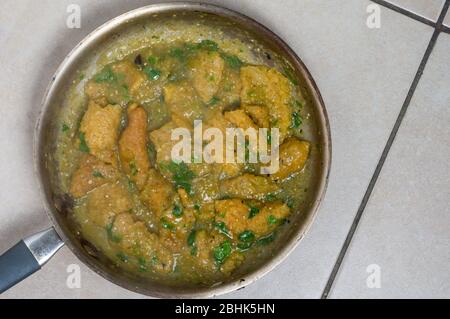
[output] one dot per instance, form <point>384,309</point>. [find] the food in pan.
<point>183,221</point>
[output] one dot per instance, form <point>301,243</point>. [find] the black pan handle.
<point>27,257</point>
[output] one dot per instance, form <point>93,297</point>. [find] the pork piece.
<point>136,241</point>
<point>232,262</point>
<point>99,130</point>
<point>268,219</point>
<point>161,139</point>
<point>293,156</point>
<point>127,73</point>
<point>259,114</point>
<point>158,193</point>
<point>91,174</point>
<point>117,83</point>
<point>182,100</point>
<point>105,202</point>
<point>263,86</point>
<point>233,213</point>
<point>240,119</point>
<point>207,69</point>
<point>133,146</point>
<point>233,218</point>
<point>248,186</point>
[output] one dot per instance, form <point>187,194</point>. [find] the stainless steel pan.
<point>32,253</point>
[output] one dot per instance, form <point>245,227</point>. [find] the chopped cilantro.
<point>166,224</point>
<point>152,60</point>
<point>106,75</point>
<point>222,228</point>
<point>152,73</point>
<point>290,75</point>
<point>83,145</point>
<point>97,174</point>
<point>247,236</point>
<point>177,211</point>
<point>133,168</point>
<point>181,175</point>
<point>122,257</point>
<point>296,120</point>
<point>65,127</point>
<point>272,220</point>
<point>208,45</point>
<point>232,61</point>
<point>222,252</point>
<point>111,236</point>
<point>253,211</point>
<point>213,101</point>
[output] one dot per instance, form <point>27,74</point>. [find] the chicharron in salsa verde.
<point>182,222</point>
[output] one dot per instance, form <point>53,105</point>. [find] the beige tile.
<point>406,225</point>
<point>429,9</point>
<point>364,75</point>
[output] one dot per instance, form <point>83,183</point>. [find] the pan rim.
<point>322,119</point>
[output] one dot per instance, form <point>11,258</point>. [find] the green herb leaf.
<point>270,197</point>
<point>222,252</point>
<point>181,175</point>
<point>142,264</point>
<point>222,228</point>
<point>247,236</point>
<point>296,120</point>
<point>133,168</point>
<point>253,211</point>
<point>272,220</point>
<point>65,127</point>
<point>111,236</point>
<point>177,211</point>
<point>106,75</point>
<point>97,174</point>
<point>298,104</point>
<point>131,186</point>
<point>178,53</point>
<point>166,224</point>
<point>152,73</point>
<point>232,61</point>
<point>290,75</point>
<point>269,137</point>
<point>152,60</point>
<point>83,145</point>
<point>208,45</point>
<point>191,238</point>
<point>122,257</point>
<point>290,203</point>
<point>213,101</point>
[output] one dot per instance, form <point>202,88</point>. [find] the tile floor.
<point>364,75</point>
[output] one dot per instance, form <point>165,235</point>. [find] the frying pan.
<point>31,253</point>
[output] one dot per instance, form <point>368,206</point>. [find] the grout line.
<point>384,154</point>
<point>445,29</point>
<point>405,12</point>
